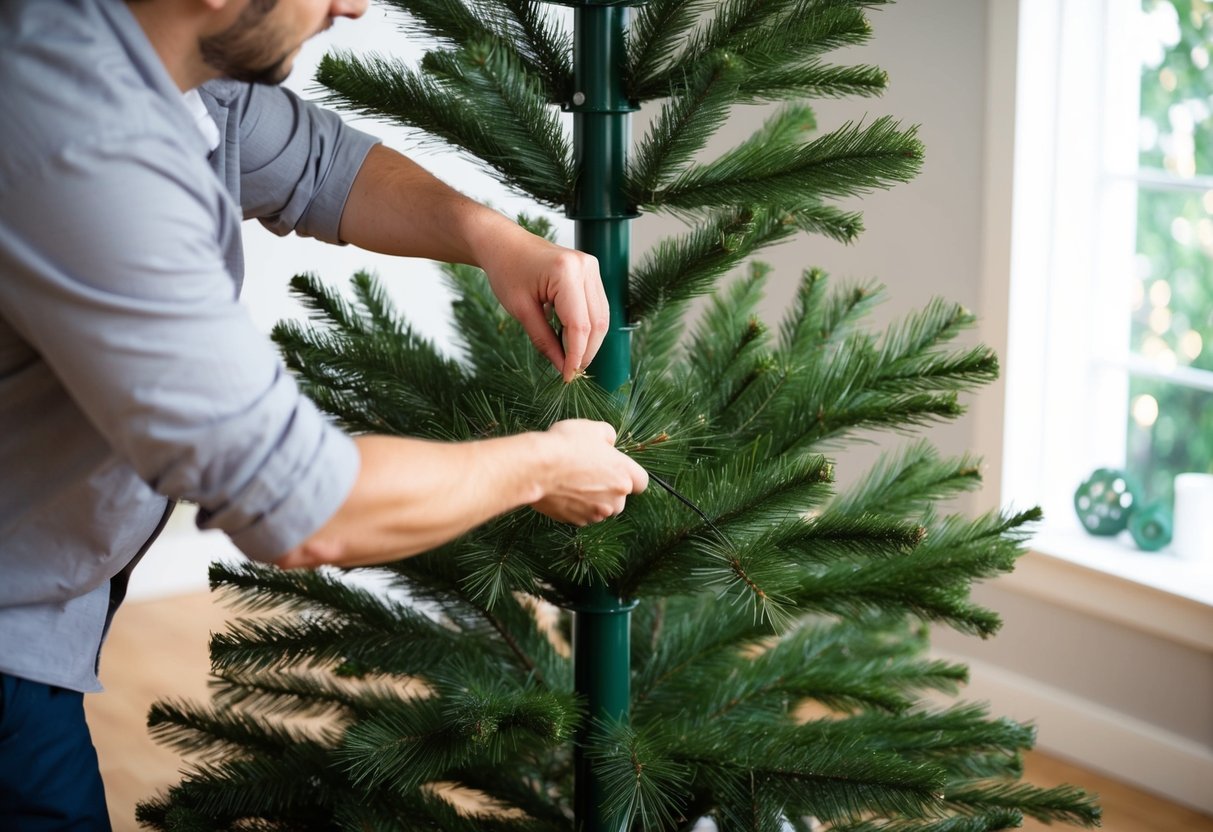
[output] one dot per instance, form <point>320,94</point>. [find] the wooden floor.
<point>157,649</point>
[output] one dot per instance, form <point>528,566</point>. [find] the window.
<point>1170,366</point>
<point>1110,358</point>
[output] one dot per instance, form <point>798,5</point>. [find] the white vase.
<point>1193,536</point>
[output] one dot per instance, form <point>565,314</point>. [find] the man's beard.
<point>239,52</point>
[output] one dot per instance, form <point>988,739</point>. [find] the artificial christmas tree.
<point>743,646</point>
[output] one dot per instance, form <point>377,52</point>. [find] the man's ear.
<point>218,5</point>
<point>220,14</point>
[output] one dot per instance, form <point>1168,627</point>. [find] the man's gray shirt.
<point>129,374</point>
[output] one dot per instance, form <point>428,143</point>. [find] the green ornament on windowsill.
<point>1105,501</point>
<point>1151,526</point>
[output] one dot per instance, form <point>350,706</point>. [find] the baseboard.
<point>1097,737</point>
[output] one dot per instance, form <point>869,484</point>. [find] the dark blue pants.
<point>49,778</point>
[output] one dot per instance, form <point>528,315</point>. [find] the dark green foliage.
<point>489,78</point>
<point>450,677</point>
<point>780,676</point>
<point>541,47</point>
<point>782,40</point>
<point>851,160</point>
<point>686,122</point>
<point>525,147</point>
<point>490,94</point>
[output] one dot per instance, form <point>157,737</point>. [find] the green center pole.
<point>601,128</point>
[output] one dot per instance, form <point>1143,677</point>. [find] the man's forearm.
<point>397,207</point>
<point>412,495</point>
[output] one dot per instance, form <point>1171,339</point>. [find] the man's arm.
<point>134,312</point>
<point>303,170</point>
<point>412,495</point>
<point>396,207</point>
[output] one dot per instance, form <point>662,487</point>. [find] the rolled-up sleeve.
<point>126,298</point>
<point>297,162</point>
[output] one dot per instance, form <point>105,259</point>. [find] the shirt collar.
<point>202,119</point>
<point>151,69</point>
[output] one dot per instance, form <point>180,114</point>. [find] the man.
<point>130,376</point>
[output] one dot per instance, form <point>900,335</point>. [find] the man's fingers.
<point>542,274</point>
<point>596,480</point>
<point>582,307</point>
<point>599,309</point>
<point>535,322</point>
<point>640,478</point>
<point>576,321</point>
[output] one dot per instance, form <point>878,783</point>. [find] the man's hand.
<point>412,495</point>
<point>530,276</point>
<point>396,207</point>
<point>588,479</point>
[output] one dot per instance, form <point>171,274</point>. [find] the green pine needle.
<point>996,821</point>
<point>784,37</point>
<point>219,733</point>
<point>449,21</point>
<point>495,86</point>
<point>685,124</point>
<point>654,38</point>
<point>526,149</point>
<point>910,481</point>
<point>645,785</point>
<point>542,47</point>
<point>1061,804</point>
<point>851,160</point>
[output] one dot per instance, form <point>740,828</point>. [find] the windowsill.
<point>1109,578</point>
<point>1117,556</point>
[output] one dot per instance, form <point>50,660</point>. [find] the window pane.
<point>1177,87</point>
<point>1170,432</point>
<point>1173,293</point>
